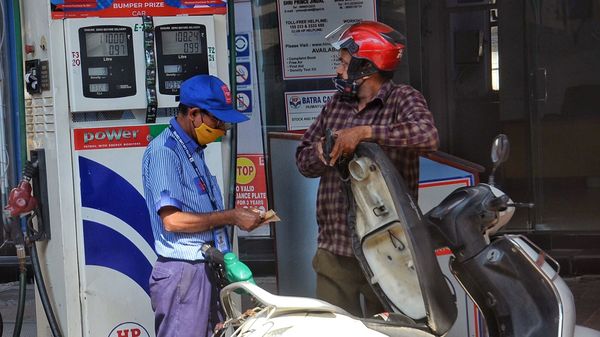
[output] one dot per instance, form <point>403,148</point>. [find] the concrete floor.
<point>586,291</point>
<point>9,296</point>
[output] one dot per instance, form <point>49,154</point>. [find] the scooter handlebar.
<point>521,205</point>
<point>497,204</point>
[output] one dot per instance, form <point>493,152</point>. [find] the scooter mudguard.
<point>393,244</point>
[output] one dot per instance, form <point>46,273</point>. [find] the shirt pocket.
<point>159,274</point>
<point>200,186</point>
<point>216,192</point>
<point>160,281</point>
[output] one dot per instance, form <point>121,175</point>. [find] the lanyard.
<point>219,234</point>
<point>206,186</point>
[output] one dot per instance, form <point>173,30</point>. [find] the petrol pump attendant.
<point>186,208</point>
<point>368,107</point>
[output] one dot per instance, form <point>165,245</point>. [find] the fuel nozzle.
<point>20,199</point>
<point>234,269</point>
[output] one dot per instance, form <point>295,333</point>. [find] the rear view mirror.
<point>500,152</point>
<point>500,149</point>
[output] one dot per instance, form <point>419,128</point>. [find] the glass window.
<point>270,63</point>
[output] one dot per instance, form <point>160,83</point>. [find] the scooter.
<point>513,282</point>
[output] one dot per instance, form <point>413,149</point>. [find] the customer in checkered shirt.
<point>368,107</point>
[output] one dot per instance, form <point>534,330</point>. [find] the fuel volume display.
<point>182,42</point>
<point>106,44</point>
<point>181,53</point>
<point>107,61</point>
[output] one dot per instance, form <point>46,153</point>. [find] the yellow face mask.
<point>205,134</point>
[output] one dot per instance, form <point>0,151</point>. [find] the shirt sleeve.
<point>307,159</point>
<point>163,178</point>
<point>413,126</point>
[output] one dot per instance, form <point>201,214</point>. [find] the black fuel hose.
<point>41,286</point>
<point>15,232</point>
<point>21,304</point>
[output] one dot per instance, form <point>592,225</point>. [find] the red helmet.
<point>379,43</point>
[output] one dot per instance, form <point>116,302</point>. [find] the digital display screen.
<point>106,44</point>
<point>181,42</point>
<point>173,69</point>
<point>172,84</point>
<point>98,71</point>
<point>99,87</point>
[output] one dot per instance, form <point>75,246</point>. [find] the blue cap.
<point>211,94</point>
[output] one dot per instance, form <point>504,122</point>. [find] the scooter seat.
<point>280,304</point>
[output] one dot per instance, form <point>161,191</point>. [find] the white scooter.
<point>514,283</point>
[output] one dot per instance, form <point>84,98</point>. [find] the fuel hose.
<point>41,286</point>
<point>22,289</point>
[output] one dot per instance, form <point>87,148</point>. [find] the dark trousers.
<point>183,299</point>
<point>340,281</point>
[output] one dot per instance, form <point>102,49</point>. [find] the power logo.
<point>109,135</point>
<point>112,137</point>
<point>129,329</point>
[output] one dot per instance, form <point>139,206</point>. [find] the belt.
<point>169,259</point>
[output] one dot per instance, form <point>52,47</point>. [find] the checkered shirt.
<point>402,124</point>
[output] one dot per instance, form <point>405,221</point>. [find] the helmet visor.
<point>335,37</point>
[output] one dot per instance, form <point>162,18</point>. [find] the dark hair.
<point>182,109</point>
<point>387,75</point>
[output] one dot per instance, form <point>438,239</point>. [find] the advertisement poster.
<point>303,25</point>
<point>303,107</point>
<point>251,187</point>
<point>130,8</point>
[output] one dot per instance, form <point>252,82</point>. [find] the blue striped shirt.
<point>170,180</point>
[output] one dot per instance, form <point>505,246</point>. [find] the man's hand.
<point>246,219</point>
<point>347,140</point>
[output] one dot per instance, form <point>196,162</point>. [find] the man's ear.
<point>192,112</point>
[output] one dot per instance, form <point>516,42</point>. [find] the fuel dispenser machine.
<point>104,85</point>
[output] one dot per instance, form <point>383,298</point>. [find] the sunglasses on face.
<point>219,124</point>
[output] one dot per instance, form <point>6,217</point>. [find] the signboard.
<point>251,186</point>
<point>244,102</point>
<point>303,25</point>
<point>130,8</point>
<point>303,107</point>
<point>115,137</point>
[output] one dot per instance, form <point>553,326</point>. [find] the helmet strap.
<point>347,87</point>
<point>357,69</point>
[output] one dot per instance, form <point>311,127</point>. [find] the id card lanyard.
<point>220,238</point>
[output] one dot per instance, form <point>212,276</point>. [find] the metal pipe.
<point>232,81</point>
<point>15,40</point>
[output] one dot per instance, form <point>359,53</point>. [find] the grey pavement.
<point>9,297</point>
